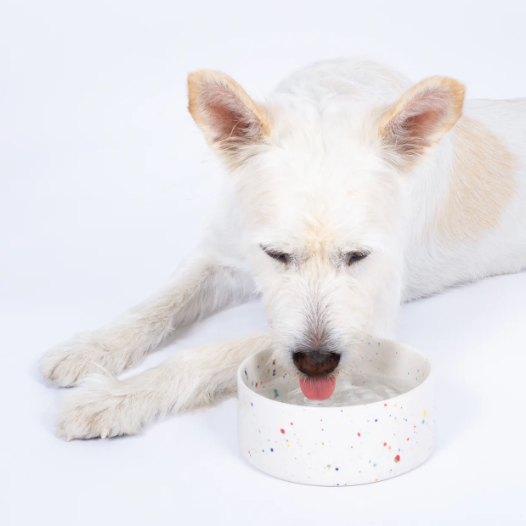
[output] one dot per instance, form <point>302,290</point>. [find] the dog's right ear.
<point>230,120</point>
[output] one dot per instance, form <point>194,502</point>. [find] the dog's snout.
<point>316,363</point>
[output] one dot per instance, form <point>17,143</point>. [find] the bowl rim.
<point>243,387</point>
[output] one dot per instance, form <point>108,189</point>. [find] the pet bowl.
<point>353,441</point>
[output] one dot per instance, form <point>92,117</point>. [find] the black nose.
<point>316,363</point>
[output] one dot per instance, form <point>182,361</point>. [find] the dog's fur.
<point>345,159</point>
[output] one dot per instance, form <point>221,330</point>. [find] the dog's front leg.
<point>193,379</point>
<point>201,286</point>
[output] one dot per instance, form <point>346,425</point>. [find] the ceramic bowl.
<point>343,445</point>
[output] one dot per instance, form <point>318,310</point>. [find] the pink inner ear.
<point>413,128</point>
<point>229,117</point>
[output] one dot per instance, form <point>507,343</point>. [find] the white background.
<point>105,186</point>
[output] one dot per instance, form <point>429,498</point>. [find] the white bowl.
<point>343,445</point>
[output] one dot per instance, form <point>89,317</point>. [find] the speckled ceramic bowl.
<point>343,445</point>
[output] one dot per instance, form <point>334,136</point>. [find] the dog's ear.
<point>228,117</point>
<point>417,122</point>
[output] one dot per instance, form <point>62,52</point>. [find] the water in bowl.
<point>350,390</point>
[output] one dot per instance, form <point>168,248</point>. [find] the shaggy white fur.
<point>350,190</point>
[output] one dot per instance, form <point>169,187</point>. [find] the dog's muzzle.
<point>316,363</point>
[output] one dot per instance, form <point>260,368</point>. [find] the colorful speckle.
<point>272,450</point>
<point>282,431</point>
<point>385,444</point>
<point>359,435</point>
<point>397,458</point>
<point>276,393</point>
<point>425,414</point>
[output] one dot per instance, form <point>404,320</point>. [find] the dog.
<point>349,191</point>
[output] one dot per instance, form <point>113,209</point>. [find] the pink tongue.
<point>318,388</point>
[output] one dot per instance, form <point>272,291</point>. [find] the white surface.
<point>103,189</point>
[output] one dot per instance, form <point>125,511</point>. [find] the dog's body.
<point>345,162</point>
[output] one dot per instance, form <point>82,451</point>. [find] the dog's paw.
<point>103,407</point>
<point>83,354</point>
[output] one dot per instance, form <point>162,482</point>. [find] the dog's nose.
<point>316,363</point>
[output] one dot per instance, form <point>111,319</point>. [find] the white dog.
<point>350,191</point>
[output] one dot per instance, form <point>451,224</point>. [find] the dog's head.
<point>321,183</point>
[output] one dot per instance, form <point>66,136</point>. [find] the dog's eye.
<point>353,257</point>
<point>278,256</point>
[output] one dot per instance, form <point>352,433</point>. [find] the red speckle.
<point>408,439</point>
<point>282,430</point>
<point>397,458</point>
<point>291,424</point>
<point>256,384</point>
<point>385,405</point>
<point>385,444</point>
<point>359,435</point>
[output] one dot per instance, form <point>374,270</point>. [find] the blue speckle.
<point>337,469</point>
<point>271,450</point>
<point>276,393</point>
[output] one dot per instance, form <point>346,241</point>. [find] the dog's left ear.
<point>417,122</point>
<point>229,118</point>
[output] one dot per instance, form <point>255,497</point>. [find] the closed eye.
<point>353,257</point>
<point>282,257</point>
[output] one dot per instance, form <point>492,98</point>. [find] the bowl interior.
<point>379,370</point>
